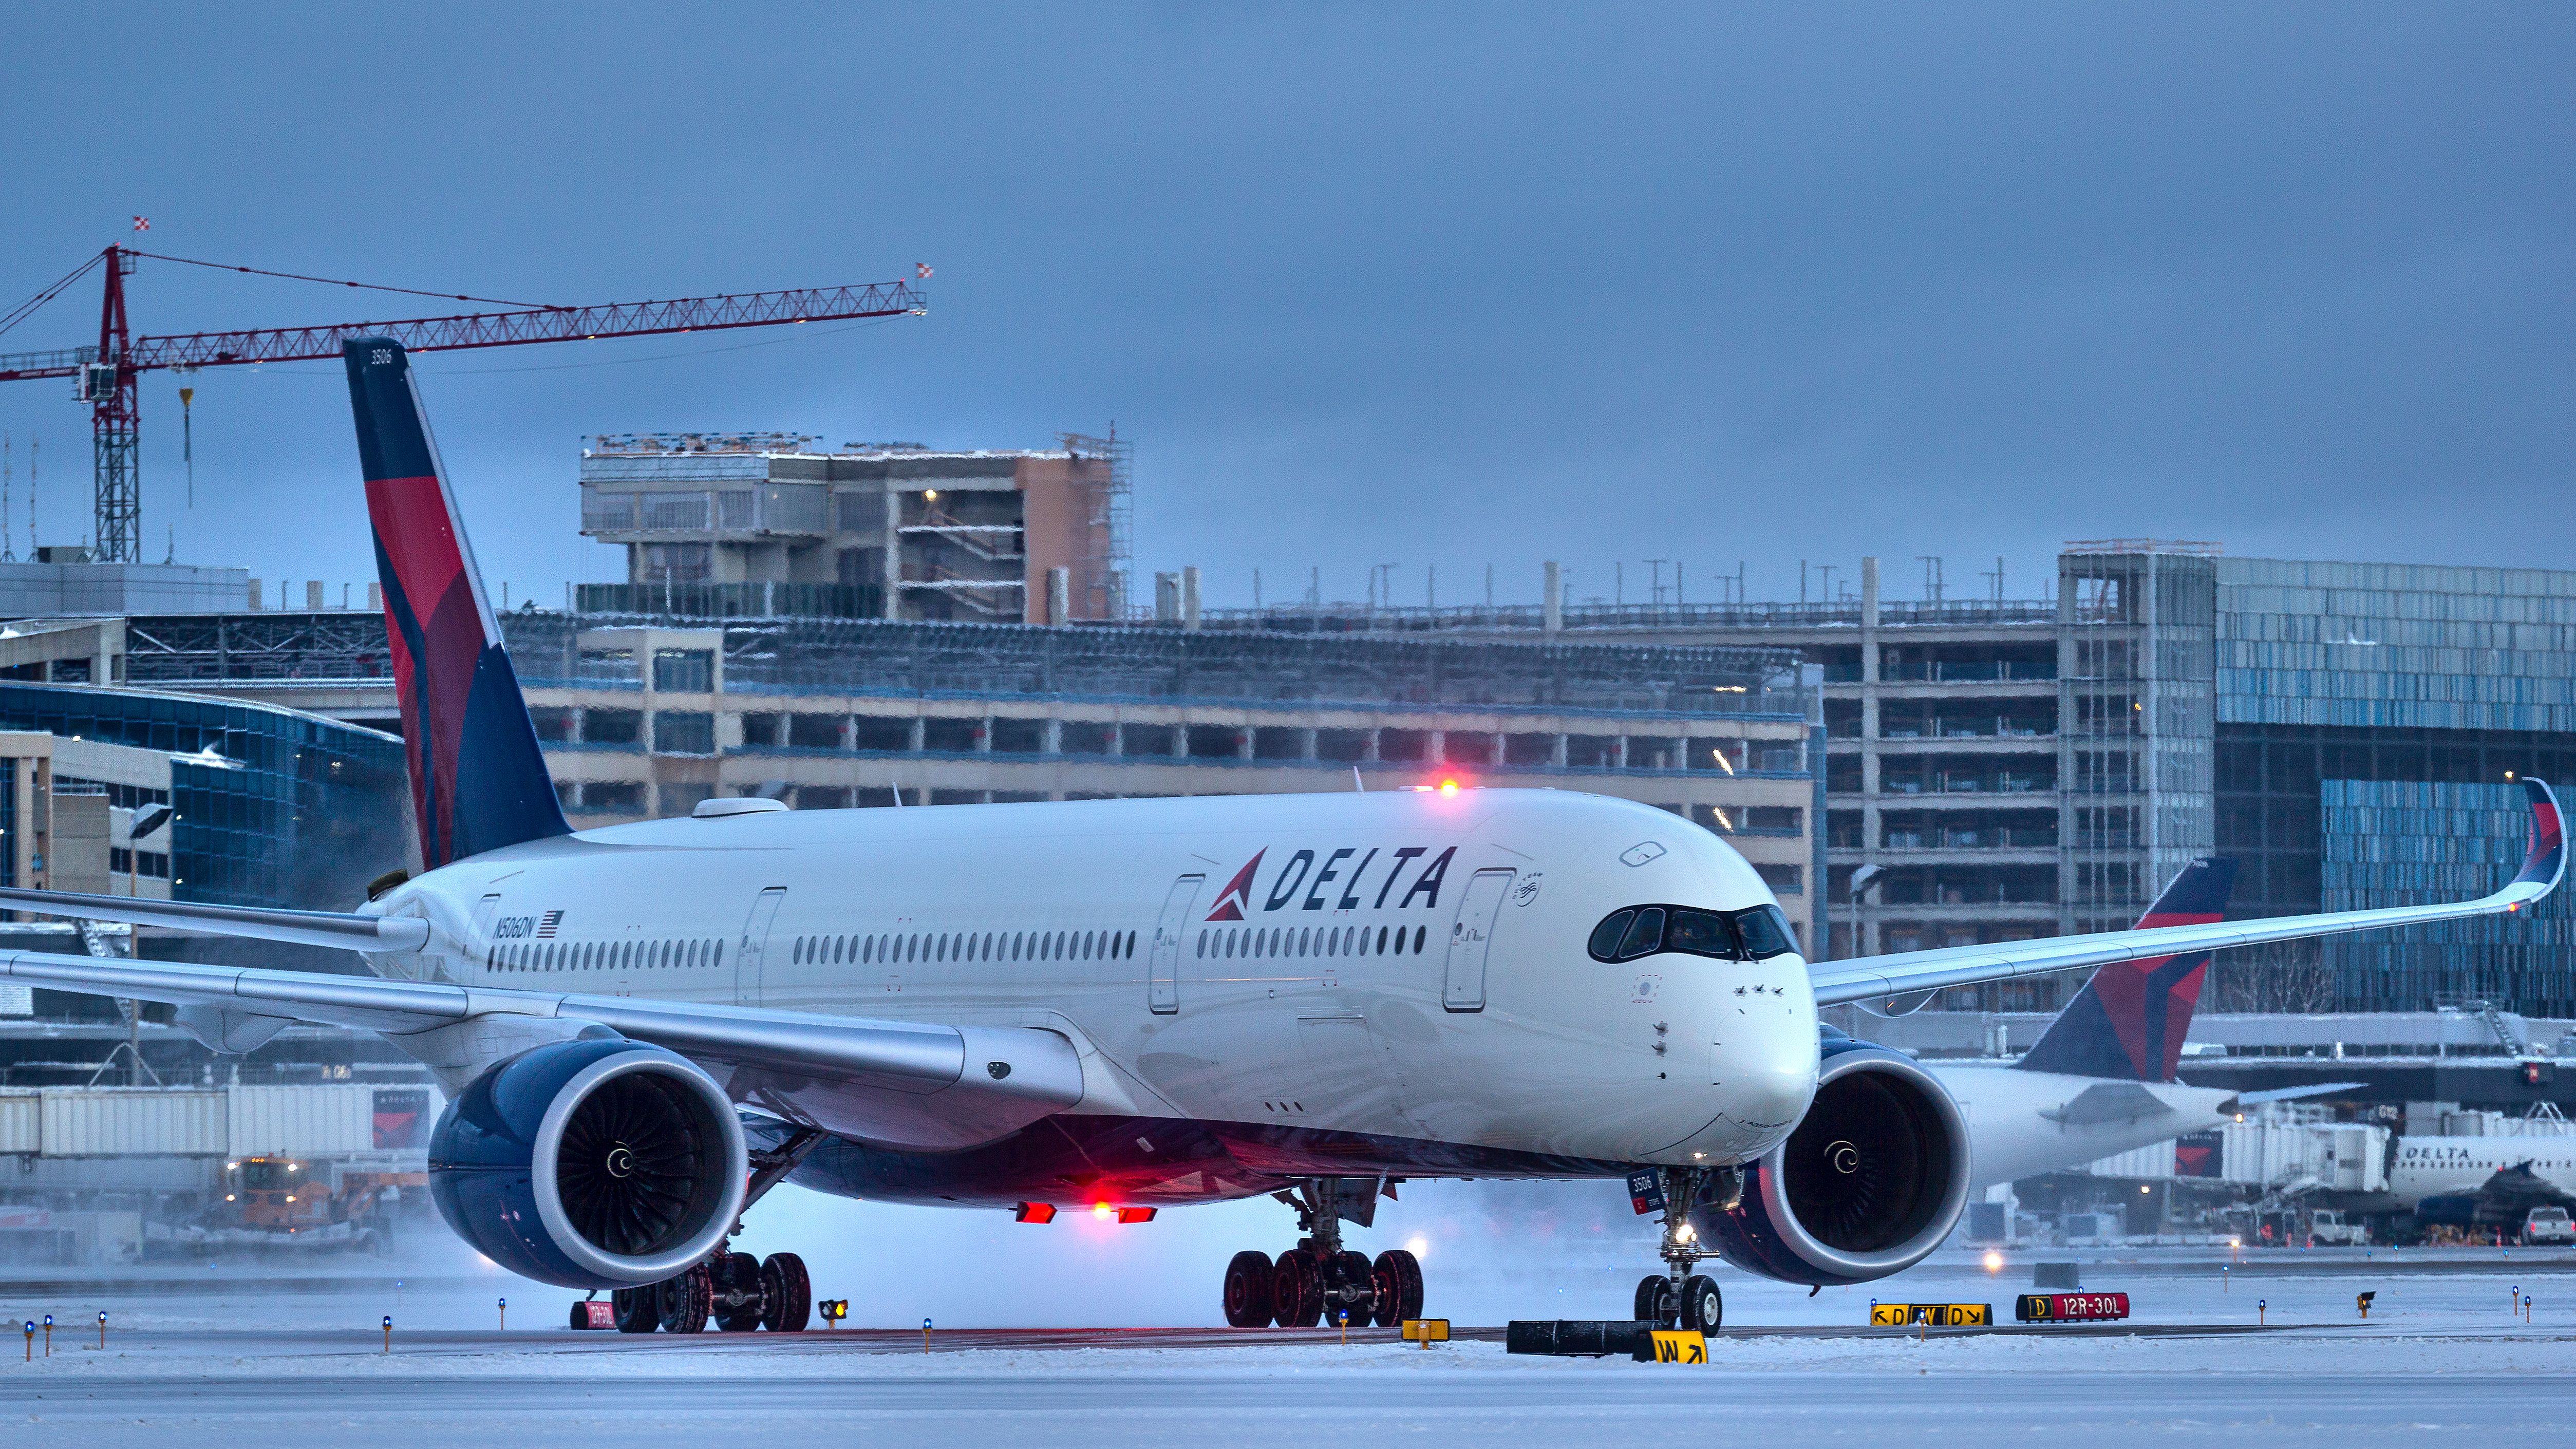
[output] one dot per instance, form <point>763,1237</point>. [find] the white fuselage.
<point>1285,1004</point>
<point>2020,1123</point>
<point>2431,1166</point>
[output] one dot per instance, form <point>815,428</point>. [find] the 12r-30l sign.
<point>2070,1307</point>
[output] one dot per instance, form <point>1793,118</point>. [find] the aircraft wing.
<point>1910,973</point>
<point>304,928</point>
<point>901,1083</point>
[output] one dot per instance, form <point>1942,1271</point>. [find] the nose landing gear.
<point>1320,1281</point>
<point>1678,1297</point>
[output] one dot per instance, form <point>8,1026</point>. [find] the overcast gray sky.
<point>1426,285</point>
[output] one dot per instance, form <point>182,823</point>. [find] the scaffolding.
<point>1111,521</point>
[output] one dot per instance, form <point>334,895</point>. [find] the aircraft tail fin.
<point>2128,1022</point>
<point>478,780</point>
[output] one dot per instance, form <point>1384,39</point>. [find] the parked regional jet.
<point>1139,1003</point>
<point>2436,1167</point>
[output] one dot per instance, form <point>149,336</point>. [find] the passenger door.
<point>754,945</point>
<point>479,946</point>
<point>1470,938</point>
<point>1163,987</point>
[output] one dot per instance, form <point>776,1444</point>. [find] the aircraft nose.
<point>1772,1078</point>
<point>1762,1069</point>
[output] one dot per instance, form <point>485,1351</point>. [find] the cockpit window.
<point>1607,936</point>
<point>1766,932</point>
<point>1700,933</point>
<point>1746,935</point>
<point>1645,934</point>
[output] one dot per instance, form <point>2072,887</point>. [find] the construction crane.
<point>105,375</point>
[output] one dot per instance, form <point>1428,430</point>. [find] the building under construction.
<point>765,524</point>
<point>644,716</point>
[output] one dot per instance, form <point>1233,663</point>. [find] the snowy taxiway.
<point>2439,1358</point>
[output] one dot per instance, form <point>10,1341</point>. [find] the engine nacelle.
<point>1872,1180</point>
<point>594,1163</point>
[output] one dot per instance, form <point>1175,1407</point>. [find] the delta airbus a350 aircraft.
<point>1143,1003</point>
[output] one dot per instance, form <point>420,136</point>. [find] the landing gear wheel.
<point>638,1310</point>
<point>1356,1290</point>
<point>1703,1307</point>
<point>1399,1287</point>
<point>685,1301</point>
<point>739,1298</point>
<point>1297,1290</point>
<point>786,1294</point>
<point>1248,1281</point>
<point>1654,1300</point>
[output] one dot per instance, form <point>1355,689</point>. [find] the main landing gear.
<point>1320,1281</point>
<point>740,1292</point>
<point>1678,1297</point>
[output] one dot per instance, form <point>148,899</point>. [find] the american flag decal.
<point>546,925</point>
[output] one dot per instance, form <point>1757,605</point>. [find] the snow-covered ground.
<point>2439,1359</point>
<point>202,1355</point>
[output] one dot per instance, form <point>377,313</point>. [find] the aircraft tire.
<point>685,1301</point>
<point>1650,1300</point>
<point>741,1297</point>
<point>1297,1291</point>
<point>1248,1281</point>
<point>1703,1307</point>
<point>1399,1287</point>
<point>786,1294</point>
<point>1351,1273</point>
<point>637,1309</point>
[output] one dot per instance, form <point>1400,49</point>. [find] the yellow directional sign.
<point>1680,1347</point>
<point>1426,1331</point>
<point>1936,1315</point>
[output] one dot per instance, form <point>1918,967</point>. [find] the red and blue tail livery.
<point>2548,838</point>
<point>478,780</point>
<point>2128,1022</point>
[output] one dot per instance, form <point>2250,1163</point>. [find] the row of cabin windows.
<point>1312,941</point>
<point>606,955</point>
<point>892,949</point>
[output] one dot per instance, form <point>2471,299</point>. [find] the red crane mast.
<point>107,374</point>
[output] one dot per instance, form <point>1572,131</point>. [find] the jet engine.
<point>1872,1180</point>
<point>593,1163</point>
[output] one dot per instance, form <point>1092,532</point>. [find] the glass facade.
<point>2404,843</point>
<point>2348,695</point>
<point>2401,646</point>
<point>2272,778</point>
<point>272,807</point>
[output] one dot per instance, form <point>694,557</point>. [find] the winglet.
<point>2546,863</point>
